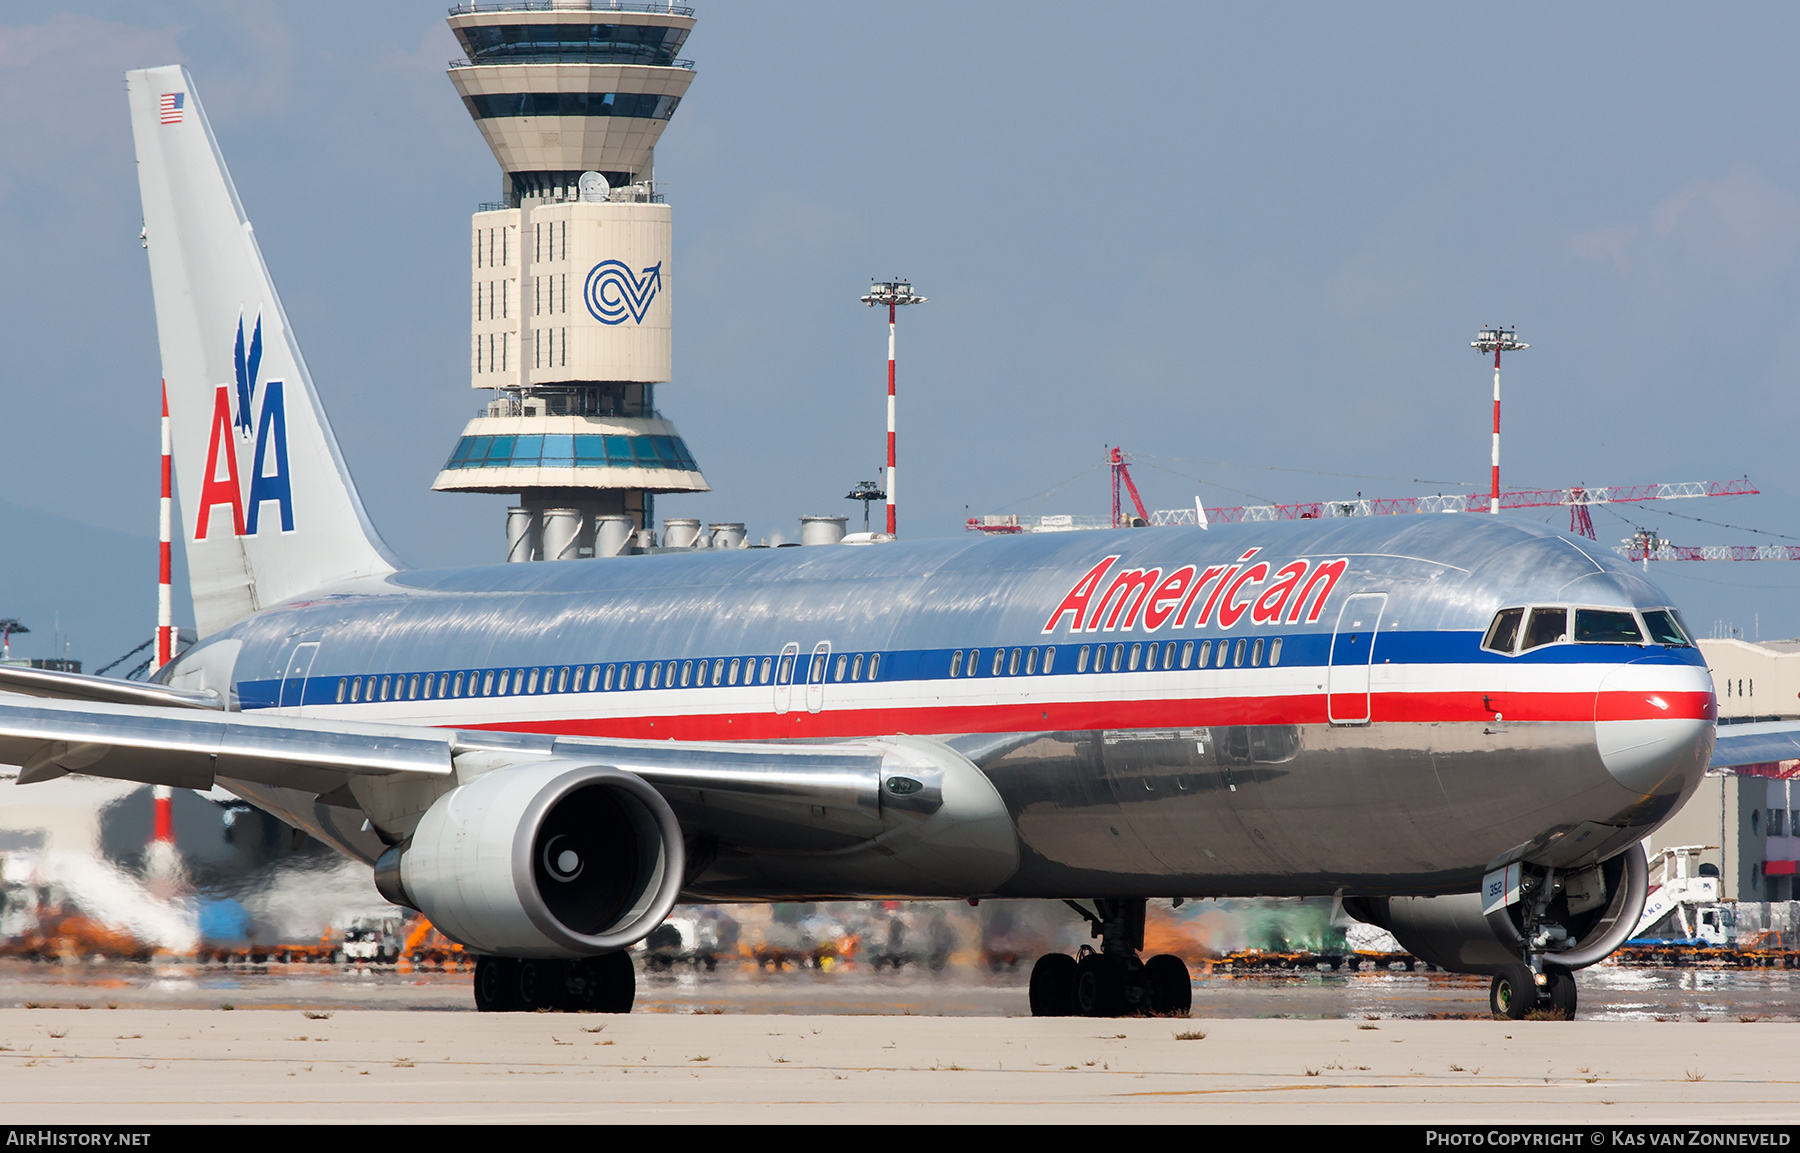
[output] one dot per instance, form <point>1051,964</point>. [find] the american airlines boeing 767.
<point>1461,727</point>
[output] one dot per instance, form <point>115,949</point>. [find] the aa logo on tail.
<point>231,428</point>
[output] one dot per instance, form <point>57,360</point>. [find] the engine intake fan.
<point>549,859</point>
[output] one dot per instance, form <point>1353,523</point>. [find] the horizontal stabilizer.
<point>1756,744</point>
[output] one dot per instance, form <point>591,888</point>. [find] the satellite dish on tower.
<point>592,188</point>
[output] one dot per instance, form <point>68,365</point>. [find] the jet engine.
<point>550,859</point>
<point>1574,918</point>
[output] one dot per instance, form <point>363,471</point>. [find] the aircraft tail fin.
<point>268,509</point>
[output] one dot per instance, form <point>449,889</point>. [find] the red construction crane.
<point>1645,546</point>
<point>1115,460</point>
<point>1579,499</point>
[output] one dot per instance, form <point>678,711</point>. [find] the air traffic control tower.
<point>571,280</point>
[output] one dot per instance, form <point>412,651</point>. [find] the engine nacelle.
<point>548,859</point>
<point>1453,933</point>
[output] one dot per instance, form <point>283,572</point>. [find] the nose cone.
<point>1654,725</point>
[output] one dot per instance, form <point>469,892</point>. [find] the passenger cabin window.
<point>1049,658</point>
<point>1606,627</point>
<point>956,662</point>
<point>1547,626</point>
<point>1081,659</point>
<point>1275,651</point>
<point>856,668</point>
<point>874,664</point>
<point>1503,634</point>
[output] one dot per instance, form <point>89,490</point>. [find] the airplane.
<point>1460,727</point>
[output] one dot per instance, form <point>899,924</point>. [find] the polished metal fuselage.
<point>1383,755</point>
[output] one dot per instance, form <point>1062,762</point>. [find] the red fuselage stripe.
<point>1309,709</point>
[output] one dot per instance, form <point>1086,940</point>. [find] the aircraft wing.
<point>189,748</point>
<point>809,796</point>
<point>1756,744</point>
<point>105,690</point>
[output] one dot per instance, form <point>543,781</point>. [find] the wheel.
<point>538,985</point>
<point>1171,989</point>
<point>1053,986</point>
<point>1100,986</point>
<point>494,984</point>
<point>1513,993</point>
<point>1561,992</point>
<point>616,983</point>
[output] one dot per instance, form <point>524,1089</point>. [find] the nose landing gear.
<point>1517,992</point>
<point>1111,981</point>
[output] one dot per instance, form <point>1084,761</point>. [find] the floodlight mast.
<point>1496,341</point>
<point>892,293</point>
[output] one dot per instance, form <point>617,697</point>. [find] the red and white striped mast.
<point>892,293</point>
<point>1496,341</point>
<point>165,595</point>
<point>162,841</point>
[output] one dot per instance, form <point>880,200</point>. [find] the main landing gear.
<point>606,984</point>
<point>1111,982</point>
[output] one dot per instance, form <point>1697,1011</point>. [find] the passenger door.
<point>1352,652</point>
<point>815,676</point>
<point>784,676</point>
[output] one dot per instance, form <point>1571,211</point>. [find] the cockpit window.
<point>1548,625</point>
<point>1503,634</point>
<point>1664,630</point>
<point>1606,627</point>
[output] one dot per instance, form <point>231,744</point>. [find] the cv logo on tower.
<point>231,432</point>
<point>614,292</point>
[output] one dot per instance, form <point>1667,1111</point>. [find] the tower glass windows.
<point>569,43</point>
<point>636,105</point>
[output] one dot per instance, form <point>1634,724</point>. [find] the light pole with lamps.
<point>892,293</point>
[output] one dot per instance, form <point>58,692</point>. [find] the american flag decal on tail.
<point>170,105</point>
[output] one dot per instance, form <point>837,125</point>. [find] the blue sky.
<point>1250,243</point>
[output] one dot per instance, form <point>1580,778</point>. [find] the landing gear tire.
<point>615,983</point>
<point>1171,989</point>
<point>1100,986</point>
<point>1513,993</point>
<point>539,985</point>
<point>495,980</point>
<point>1561,992</point>
<point>1053,986</point>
